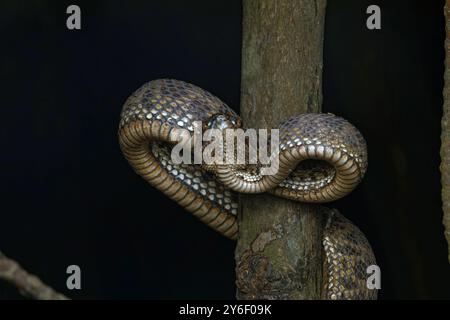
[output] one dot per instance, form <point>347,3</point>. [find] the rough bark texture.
<point>445,148</point>
<point>279,250</point>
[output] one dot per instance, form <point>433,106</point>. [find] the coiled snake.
<point>322,157</point>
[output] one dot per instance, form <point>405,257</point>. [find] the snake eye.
<point>221,122</point>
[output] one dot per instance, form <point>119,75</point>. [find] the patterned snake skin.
<point>321,158</point>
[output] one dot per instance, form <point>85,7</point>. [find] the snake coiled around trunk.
<point>321,158</point>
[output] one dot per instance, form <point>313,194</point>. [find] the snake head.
<point>223,121</point>
<point>216,127</point>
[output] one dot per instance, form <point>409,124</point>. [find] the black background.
<point>69,197</point>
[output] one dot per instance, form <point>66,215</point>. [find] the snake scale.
<point>322,158</point>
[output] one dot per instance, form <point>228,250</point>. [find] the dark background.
<point>69,197</point>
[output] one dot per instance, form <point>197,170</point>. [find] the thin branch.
<point>445,135</point>
<point>29,285</point>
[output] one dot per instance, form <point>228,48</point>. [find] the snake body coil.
<point>321,158</point>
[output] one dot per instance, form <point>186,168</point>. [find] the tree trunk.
<point>445,147</point>
<point>279,249</point>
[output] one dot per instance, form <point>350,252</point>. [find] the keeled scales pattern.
<point>322,158</point>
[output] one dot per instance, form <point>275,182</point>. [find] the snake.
<point>321,158</point>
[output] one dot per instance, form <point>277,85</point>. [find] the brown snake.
<point>322,157</point>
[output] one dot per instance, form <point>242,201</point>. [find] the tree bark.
<point>279,249</point>
<point>445,136</point>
